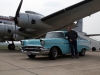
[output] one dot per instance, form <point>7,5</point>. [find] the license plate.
<point>29,48</point>
<point>28,53</point>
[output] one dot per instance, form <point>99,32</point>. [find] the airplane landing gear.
<point>11,46</point>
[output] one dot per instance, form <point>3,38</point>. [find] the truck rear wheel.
<point>53,53</point>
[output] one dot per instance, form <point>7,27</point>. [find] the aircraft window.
<point>6,17</point>
<point>33,21</point>
<point>9,31</point>
<point>0,22</point>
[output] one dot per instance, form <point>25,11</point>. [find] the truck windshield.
<point>54,35</point>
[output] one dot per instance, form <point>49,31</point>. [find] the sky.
<point>91,24</point>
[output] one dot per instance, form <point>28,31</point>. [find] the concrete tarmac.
<point>17,63</point>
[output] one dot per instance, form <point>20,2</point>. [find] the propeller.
<point>17,15</point>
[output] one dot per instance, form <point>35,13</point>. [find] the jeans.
<point>73,46</point>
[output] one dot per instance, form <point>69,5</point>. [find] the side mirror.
<point>66,37</point>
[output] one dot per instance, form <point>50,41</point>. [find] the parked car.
<point>55,43</point>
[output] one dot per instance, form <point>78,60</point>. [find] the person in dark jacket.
<point>72,37</point>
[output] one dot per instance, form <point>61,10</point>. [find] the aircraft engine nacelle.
<point>27,20</point>
<point>18,37</point>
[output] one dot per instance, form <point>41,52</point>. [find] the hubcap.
<point>55,53</point>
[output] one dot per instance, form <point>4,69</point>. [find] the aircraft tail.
<point>79,25</point>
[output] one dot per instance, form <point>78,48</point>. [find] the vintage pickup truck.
<point>55,43</point>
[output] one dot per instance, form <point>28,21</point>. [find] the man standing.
<point>72,37</point>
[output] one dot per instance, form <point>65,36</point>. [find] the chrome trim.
<point>42,51</point>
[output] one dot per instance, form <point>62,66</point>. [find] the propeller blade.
<point>17,12</point>
<point>15,32</point>
<point>17,15</point>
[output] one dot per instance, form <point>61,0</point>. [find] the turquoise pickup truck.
<point>55,43</point>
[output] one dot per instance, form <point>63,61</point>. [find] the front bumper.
<point>35,51</point>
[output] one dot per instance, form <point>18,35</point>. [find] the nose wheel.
<point>11,47</point>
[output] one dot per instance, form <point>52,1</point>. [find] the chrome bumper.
<point>42,51</point>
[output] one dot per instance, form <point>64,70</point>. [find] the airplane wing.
<point>73,13</point>
<point>89,35</point>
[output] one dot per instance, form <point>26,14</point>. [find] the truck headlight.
<point>42,42</point>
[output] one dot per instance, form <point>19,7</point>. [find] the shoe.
<point>77,57</point>
<point>72,57</point>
